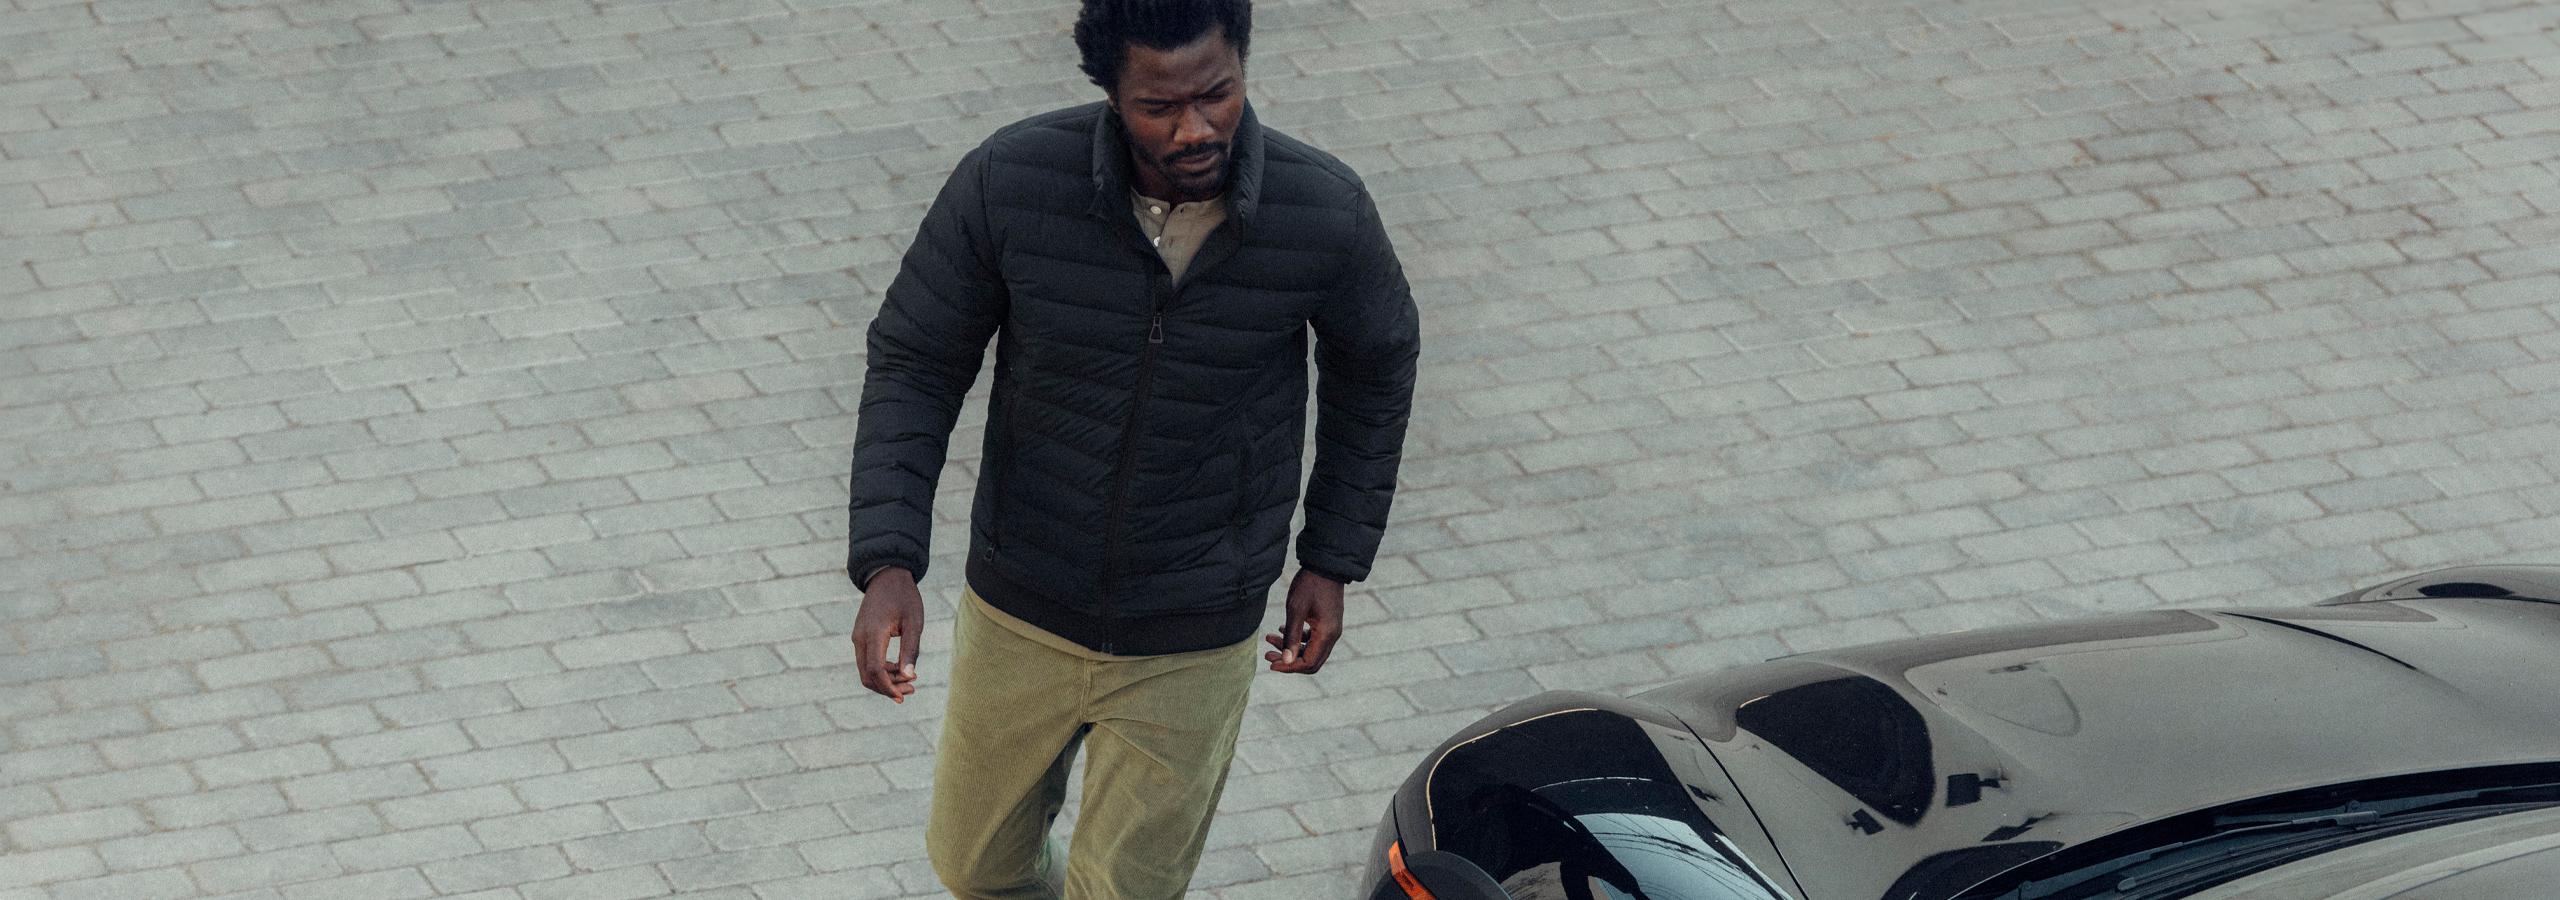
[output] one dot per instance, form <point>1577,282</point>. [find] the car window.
<point>1671,860</point>
<point>1614,838</point>
<point>1581,805</point>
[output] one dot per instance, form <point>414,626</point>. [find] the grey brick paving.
<point>423,425</point>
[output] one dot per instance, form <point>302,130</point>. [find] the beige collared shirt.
<point>1177,228</point>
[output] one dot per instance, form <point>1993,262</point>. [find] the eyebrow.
<point>1223,85</point>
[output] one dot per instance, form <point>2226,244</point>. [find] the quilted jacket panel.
<point>1142,448</point>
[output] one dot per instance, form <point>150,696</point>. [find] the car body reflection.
<point>1921,768</point>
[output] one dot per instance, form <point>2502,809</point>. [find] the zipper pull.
<point>1155,330</point>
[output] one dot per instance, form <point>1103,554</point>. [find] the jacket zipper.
<point>1118,512</point>
<point>1115,515</point>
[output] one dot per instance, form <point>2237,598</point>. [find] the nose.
<point>1193,128</point>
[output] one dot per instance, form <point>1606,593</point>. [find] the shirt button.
<point>1156,209</point>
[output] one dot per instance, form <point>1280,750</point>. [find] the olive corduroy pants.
<point>1159,733</point>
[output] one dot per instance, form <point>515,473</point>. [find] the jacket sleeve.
<point>1367,341</point>
<point>923,352</point>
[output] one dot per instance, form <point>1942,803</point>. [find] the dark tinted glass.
<point>1581,806</point>
<point>1856,732</point>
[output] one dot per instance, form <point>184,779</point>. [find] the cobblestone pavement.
<point>424,425</point>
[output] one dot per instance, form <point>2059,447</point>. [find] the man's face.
<point>1180,108</point>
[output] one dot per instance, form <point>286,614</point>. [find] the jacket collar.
<point>1111,182</point>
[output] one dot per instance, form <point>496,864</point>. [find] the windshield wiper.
<point>2227,828</point>
<point>2329,823</point>
<point>2359,826</point>
<point>2280,834</point>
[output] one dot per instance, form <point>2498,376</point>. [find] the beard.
<point>1198,183</point>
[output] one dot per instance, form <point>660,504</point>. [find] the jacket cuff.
<point>1329,572</point>
<point>863,572</point>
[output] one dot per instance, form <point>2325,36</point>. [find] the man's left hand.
<point>1312,623</point>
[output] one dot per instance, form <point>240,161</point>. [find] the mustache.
<point>1188,154</point>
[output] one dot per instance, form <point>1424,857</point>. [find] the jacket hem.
<point>1149,635</point>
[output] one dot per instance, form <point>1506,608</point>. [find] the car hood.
<point>1911,768</point>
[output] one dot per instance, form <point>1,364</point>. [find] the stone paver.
<point>424,424</point>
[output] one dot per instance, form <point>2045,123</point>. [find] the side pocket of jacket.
<point>1239,516</point>
<point>1243,507</point>
<point>1000,470</point>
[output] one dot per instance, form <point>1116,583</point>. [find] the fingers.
<point>1306,654</point>
<point>1291,639</point>
<point>909,644</point>
<point>870,646</point>
<point>889,676</point>
<point>1314,623</point>
<point>901,675</point>
<point>1281,659</point>
<point>910,640</point>
<point>1314,646</point>
<point>1319,647</point>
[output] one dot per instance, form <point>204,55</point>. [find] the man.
<point>1149,267</point>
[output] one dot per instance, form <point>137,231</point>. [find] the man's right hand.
<point>891,607</point>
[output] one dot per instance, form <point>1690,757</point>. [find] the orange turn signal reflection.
<point>1413,889</point>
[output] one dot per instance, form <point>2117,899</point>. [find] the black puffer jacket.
<point>1142,445</point>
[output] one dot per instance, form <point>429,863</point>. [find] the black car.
<point>2401,741</point>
